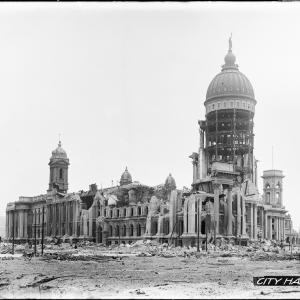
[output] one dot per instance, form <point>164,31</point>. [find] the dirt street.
<point>143,277</point>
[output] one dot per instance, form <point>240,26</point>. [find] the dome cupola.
<point>230,88</point>
<point>59,152</point>
<point>170,183</point>
<point>125,178</point>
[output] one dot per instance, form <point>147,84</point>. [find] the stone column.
<point>54,221</point>
<point>279,226</point>
<point>251,221</point>
<point>194,171</point>
<point>270,227</point>
<point>172,212</point>
<point>67,218</point>
<point>17,222</point>
<point>21,224</point>
<point>255,221</point>
<point>201,157</point>
<point>191,215</point>
<point>74,217</point>
<point>199,210</point>
<point>216,207</point>
<point>276,228</point>
<point>60,222</point>
<point>7,225</point>
<point>229,210</point>
<point>238,232</point>
<point>244,217</point>
<point>283,228</point>
<point>11,224</point>
<point>266,226</point>
<point>25,224</point>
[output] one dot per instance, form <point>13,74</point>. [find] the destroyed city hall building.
<point>223,200</point>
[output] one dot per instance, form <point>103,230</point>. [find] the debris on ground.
<point>58,249</point>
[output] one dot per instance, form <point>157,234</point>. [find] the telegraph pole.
<point>206,230</point>
<point>43,230</point>
<point>35,232</point>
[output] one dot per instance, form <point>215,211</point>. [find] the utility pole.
<point>43,230</point>
<point>13,227</point>
<point>206,230</point>
<point>34,232</point>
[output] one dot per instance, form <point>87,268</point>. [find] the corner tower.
<point>226,135</point>
<point>59,164</point>
<point>272,181</point>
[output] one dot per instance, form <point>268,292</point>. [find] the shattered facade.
<point>223,202</point>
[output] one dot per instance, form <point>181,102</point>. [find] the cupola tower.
<point>59,164</point>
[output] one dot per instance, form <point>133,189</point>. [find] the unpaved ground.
<point>143,277</point>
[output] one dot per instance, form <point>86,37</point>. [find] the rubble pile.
<point>258,250</point>
<point>5,248</point>
<point>153,248</point>
<point>72,257</point>
<point>86,250</point>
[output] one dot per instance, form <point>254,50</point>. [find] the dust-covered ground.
<point>131,276</point>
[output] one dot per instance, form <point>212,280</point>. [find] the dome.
<point>170,183</point>
<point>59,152</point>
<point>125,178</point>
<point>230,81</point>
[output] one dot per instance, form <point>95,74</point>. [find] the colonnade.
<point>62,218</point>
<point>17,221</point>
<point>246,221</point>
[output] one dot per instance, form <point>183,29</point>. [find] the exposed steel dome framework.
<point>228,127</point>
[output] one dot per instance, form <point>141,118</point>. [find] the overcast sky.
<point>125,85</point>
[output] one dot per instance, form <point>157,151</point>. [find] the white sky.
<point>125,84</point>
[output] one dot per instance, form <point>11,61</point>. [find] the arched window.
<point>104,212</point>
<point>118,213</point>
<point>117,230</point>
<point>268,197</point>
<point>139,211</point>
<point>124,231</point>
<point>110,230</point>
<point>146,210</point>
<point>124,212</point>
<point>277,197</point>
<point>138,230</point>
<point>60,173</point>
<point>111,213</point>
<point>131,230</point>
<point>131,211</point>
<point>154,228</point>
